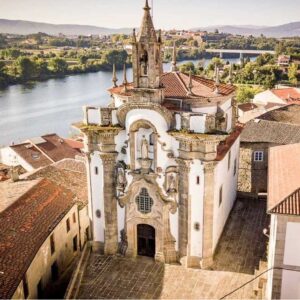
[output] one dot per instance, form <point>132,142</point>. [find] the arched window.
<point>144,202</point>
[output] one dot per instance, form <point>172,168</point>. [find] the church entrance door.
<point>146,240</point>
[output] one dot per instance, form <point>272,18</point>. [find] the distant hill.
<point>285,30</point>
<point>27,27</point>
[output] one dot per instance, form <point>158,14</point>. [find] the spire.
<point>190,87</point>
<point>133,36</point>
<point>125,78</point>
<point>114,78</point>
<point>230,73</point>
<point>217,81</point>
<point>147,31</point>
<point>174,62</point>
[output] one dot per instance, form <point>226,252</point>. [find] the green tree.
<point>83,59</point>
<point>26,68</point>
<point>117,57</point>
<point>246,93</point>
<point>292,73</point>
<point>187,67</point>
<point>58,65</point>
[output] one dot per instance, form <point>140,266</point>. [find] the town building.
<point>162,160</point>
<point>39,152</point>
<point>281,96</point>
<point>277,127</point>
<point>284,208</point>
<point>44,225</point>
<point>284,60</point>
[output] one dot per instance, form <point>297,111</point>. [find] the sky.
<point>168,14</point>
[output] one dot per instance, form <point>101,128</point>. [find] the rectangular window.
<point>25,287</point>
<point>96,170</point>
<point>54,271</point>
<point>68,224</point>
<point>74,217</point>
<point>75,243</point>
<point>87,233</point>
<point>40,289</point>
<point>220,195</point>
<point>229,159</point>
<point>52,244</point>
<point>198,180</point>
<point>235,166</point>
<point>258,156</point>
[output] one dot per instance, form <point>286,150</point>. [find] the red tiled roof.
<point>247,106</point>
<point>289,94</point>
<point>284,179</point>
<point>25,225</point>
<point>43,154</point>
<point>74,144</point>
<point>176,86</point>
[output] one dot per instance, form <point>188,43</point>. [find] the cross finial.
<point>147,7</point>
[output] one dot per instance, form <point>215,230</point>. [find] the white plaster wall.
<point>40,267</point>
<point>196,199</point>
<point>84,224</point>
<point>10,158</point>
<point>206,110</point>
<point>178,121</point>
<point>121,220</point>
<point>229,119</point>
<point>290,288</point>
<point>292,245</point>
<point>93,116</point>
<point>114,118</point>
<point>271,255</point>
<point>265,97</point>
<point>197,123</point>
<point>97,197</point>
<point>174,227</point>
<point>118,101</point>
<point>226,105</point>
<point>224,177</point>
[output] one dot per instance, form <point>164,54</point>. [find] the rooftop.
<point>284,180</point>
<point>25,225</point>
<point>43,151</point>
<point>279,126</point>
<point>289,94</point>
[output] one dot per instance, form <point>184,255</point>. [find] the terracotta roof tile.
<point>284,179</point>
<point>25,225</point>
<point>289,94</point>
<point>247,106</point>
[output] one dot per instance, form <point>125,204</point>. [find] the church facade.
<point>162,160</point>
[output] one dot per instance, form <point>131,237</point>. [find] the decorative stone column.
<point>110,204</point>
<point>183,205</point>
<point>208,208</point>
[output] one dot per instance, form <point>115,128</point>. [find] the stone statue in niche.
<point>171,183</point>
<point>144,148</point>
<point>121,180</point>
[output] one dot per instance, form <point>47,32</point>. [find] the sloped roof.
<point>39,155</point>
<point>289,114</point>
<point>284,180</point>
<point>264,131</point>
<point>25,225</point>
<point>247,106</point>
<point>288,94</point>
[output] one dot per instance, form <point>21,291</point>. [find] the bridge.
<point>238,51</point>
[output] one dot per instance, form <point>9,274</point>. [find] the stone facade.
<point>152,167</point>
<point>253,175</point>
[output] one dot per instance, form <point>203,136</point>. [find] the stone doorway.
<point>146,240</point>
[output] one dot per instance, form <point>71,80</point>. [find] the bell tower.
<point>146,54</point>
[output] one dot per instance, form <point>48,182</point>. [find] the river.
<point>52,106</point>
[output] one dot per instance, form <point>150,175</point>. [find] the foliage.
<point>58,66</point>
<point>292,74</point>
<point>187,67</point>
<point>246,93</point>
<point>25,67</point>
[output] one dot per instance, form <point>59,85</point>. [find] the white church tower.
<point>161,160</point>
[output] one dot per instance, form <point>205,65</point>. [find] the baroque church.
<point>161,160</point>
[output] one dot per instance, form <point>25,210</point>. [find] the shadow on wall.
<point>243,244</point>
<point>116,277</point>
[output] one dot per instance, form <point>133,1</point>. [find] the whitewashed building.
<point>162,160</point>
